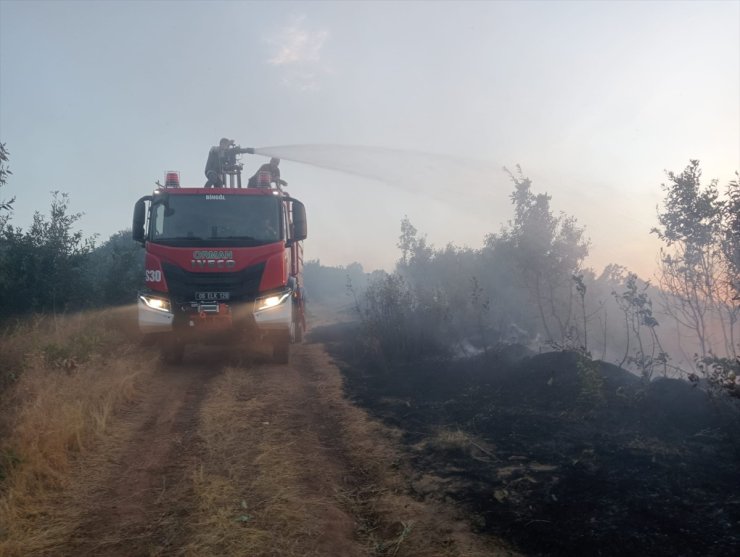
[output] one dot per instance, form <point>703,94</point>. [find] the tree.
<point>698,263</point>
<point>5,206</point>
<point>117,268</point>
<point>44,268</point>
<point>549,251</point>
<point>415,252</point>
<point>581,288</point>
<point>731,235</point>
<point>445,283</point>
<point>637,307</point>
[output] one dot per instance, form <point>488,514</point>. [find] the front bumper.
<point>272,312</point>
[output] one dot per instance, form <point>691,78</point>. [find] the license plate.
<point>211,295</point>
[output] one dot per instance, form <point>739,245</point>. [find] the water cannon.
<point>232,152</point>
<point>242,150</point>
<point>230,169</point>
<point>223,169</point>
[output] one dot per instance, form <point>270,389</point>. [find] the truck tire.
<point>297,328</point>
<point>281,349</point>
<point>172,352</point>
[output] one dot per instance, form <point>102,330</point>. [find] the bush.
<point>398,323</point>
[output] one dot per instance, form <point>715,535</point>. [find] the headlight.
<point>272,301</point>
<point>159,304</point>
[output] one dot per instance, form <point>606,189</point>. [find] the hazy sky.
<point>594,100</point>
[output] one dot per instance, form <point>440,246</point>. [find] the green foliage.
<point>330,286</point>
<point>44,269</point>
<point>591,393</point>
<point>722,374</point>
<point>546,252</point>
<point>51,267</point>
<point>640,325</point>
<point>581,289</point>
<point>414,250</point>
<point>117,268</point>
<point>519,285</point>
<point>481,306</point>
<point>398,324</point>
<point>699,262</point>
<point>446,282</point>
<point>690,212</point>
<point>731,235</point>
<point>75,350</point>
<point>5,205</point>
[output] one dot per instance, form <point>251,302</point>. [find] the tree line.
<point>52,267</point>
<point>529,284</point>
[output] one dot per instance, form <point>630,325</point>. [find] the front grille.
<point>241,285</point>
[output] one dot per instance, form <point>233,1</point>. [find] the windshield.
<point>209,219</point>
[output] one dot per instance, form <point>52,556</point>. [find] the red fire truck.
<point>223,264</point>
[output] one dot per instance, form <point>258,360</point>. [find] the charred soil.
<point>557,454</point>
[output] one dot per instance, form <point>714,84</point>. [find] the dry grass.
<point>448,439</point>
<point>62,341</point>
<point>456,440</point>
<point>69,374</point>
<point>249,490</point>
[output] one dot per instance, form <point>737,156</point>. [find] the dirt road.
<point>213,458</point>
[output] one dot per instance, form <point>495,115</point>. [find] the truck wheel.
<point>172,352</point>
<point>281,349</point>
<point>298,332</point>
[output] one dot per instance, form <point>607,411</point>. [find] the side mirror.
<point>137,229</point>
<point>300,227</point>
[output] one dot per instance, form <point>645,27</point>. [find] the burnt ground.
<point>558,455</point>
